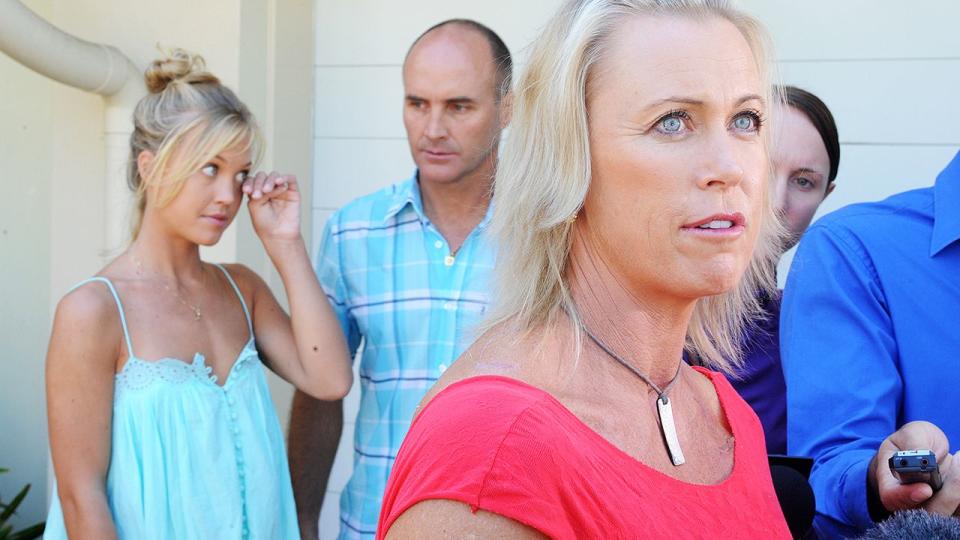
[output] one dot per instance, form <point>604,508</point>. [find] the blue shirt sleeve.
<point>329,269</point>
<point>840,365</point>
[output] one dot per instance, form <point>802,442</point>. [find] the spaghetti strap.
<point>116,297</point>
<point>243,302</point>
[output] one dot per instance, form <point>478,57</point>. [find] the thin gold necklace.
<point>195,308</point>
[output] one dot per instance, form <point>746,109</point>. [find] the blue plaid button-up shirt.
<point>396,288</point>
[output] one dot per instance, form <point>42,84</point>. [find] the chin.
<point>715,279</point>
<point>206,239</point>
<point>439,173</point>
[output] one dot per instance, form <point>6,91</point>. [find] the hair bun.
<point>177,66</point>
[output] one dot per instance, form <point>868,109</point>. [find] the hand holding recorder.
<point>914,468</point>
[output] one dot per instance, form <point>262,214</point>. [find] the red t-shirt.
<point>506,447</point>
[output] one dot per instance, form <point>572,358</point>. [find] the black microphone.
<point>796,499</point>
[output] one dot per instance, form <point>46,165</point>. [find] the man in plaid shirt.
<point>406,268</point>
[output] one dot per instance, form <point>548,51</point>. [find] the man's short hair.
<point>498,50</point>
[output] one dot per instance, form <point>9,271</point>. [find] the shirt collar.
<point>408,194</point>
<point>946,207</point>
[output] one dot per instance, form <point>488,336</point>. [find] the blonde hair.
<point>187,118</point>
<point>544,174</point>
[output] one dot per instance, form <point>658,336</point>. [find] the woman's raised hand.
<point>274,204</point>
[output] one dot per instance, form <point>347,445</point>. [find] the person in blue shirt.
<point>406,268</point>
<point>870,342</point>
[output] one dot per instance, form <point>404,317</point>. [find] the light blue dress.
<point>191,459</point>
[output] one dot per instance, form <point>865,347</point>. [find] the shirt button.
<point>438,244</point>
<point>449,260</point>
<point>442,368</point>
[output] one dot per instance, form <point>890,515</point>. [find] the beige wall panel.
<point>347,168</point>
<point>210,27</point>
<point>353,102</point>
<point>366,32</point>
<point>912,102</point>
<point>859,29</point>
<point>26,128</point>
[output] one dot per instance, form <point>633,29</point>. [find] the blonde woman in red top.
<point>634,222</point>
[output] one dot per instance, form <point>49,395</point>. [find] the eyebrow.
<point>805,170</point>
<point>691,101</point>
<point>458,99</point>
<point>218,156</point>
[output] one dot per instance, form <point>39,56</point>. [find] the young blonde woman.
<point>161,422</point>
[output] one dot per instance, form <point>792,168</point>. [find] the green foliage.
<point>8,509</point>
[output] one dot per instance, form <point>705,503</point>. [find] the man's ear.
<point>830,188</point>
<point>506,109</point>
<point>144,163</point>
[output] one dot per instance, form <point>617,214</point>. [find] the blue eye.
<point>743,122</point>
<point>804,183</point>
<point>671,124</point>
<point>748,121</point>
<point>241,176</point>
<point>210,170</point>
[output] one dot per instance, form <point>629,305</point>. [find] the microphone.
<point>796,499</point>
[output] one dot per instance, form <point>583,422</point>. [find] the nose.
<point>228,191</point>
<point>436,128</point>
<point>722,168</point>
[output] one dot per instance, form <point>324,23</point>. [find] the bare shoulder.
<point>248,280</point>
<point>87,321</point>
<point>535,357</point>
<point>439,519</point>
<point>90,305</point>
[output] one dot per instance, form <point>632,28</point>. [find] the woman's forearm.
<point>86,515</point>
<point>320,344</point>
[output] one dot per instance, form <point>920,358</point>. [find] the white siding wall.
<point>889,71</point>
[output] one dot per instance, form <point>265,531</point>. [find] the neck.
<point>461,203</point>
<point>645,329</point>
<point>164,254</point>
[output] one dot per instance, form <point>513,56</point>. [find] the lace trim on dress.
<point>138,374</point>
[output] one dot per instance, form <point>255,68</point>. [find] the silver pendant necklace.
<point>668,428</point>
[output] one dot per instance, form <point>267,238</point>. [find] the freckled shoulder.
<point>88,321</point>
<point>249,282</point>
<point>531,357</point>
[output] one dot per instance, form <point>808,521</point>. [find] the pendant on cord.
<point>669,430</point>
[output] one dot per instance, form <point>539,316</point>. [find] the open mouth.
<point>719,223</point>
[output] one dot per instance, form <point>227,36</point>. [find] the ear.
<point>144,163</point>
<point>506,110</point>
<point>830,189</point>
